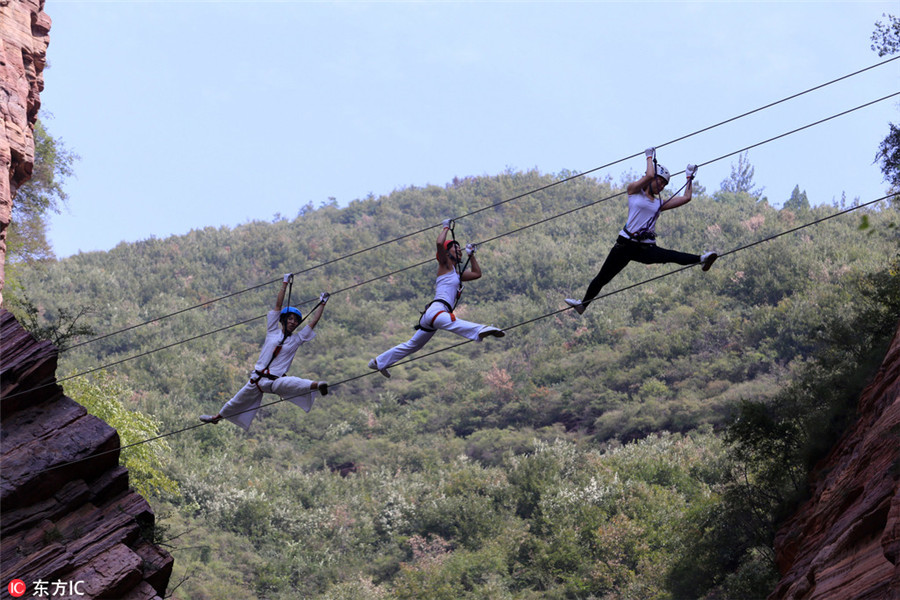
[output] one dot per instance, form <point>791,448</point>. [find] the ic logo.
<point>16,588</point>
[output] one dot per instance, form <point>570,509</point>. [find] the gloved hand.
<point>323,297</point>
<point>691,171</point>
<point>470,249</point>
<point>650,152</point>
<point>446,223</point>
<point>288,277</point>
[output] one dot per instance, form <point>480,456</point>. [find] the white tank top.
<point>642,214</point>
<point>446,287</point>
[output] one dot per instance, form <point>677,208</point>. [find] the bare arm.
<point>636,186</point>
<point>445,265</point>
<point>313,319</point>
<point>474,270</point>
<point>676,201</point>
<point>279,302</point>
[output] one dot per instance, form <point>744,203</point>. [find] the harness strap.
<point>640,236</point>
<point>265,372</point>
<point>262,375</point>
<point>459,271</point>
<point>647,233</point>
<point>430,327</point>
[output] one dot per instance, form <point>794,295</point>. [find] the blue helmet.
<point>290,310</point>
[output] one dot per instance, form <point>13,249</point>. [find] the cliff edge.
<point>845,541</point>
<point>24,37</point>
<point>68,524</point>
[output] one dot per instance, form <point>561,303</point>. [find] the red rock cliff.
<point>24,37</point>
<point>64,519</point>
<point>844,543</point>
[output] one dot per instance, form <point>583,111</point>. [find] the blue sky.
<point>195,114</point>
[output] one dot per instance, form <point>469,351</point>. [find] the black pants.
<point>626,251</point>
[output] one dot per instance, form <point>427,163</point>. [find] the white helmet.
<point>663,172</point>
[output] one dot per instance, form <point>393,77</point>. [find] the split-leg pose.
<point>275,357</point>
<point>439,312</point>
<point>637,240</point>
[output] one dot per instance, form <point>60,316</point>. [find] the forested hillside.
<point>578,457</point>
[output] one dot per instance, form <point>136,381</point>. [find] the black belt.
<point>261,374</point>
<point>640,236</point>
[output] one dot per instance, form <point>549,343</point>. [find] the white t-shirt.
<point>274,335</point>
<point>643,211</point>
<point>446,287</point>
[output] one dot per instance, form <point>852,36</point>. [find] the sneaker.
<point>708,259</point>
<point>576,304</point>
<point>374,366</point>
<point>490,331</point>
<point>210,419</point>
<point>323,388</point>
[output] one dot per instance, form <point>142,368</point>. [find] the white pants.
<point>444,321</point>
<point>241,409</point>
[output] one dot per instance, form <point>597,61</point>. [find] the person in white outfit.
<point>439,312</point>
<point>637,240</point>
<point>275,357</point>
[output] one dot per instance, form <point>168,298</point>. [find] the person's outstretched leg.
<point>241,409</point>
<point>654,255</point>
<point>467,329</point>
<point>395,354</point>
<point>617,259</point>
<point>298,390</point>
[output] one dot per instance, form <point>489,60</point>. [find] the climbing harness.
<point>430,327</point>
<point>264,373</point>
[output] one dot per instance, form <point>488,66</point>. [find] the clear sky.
<point>195,114</point>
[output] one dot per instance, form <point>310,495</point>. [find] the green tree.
<point>798,200</point>
<point>60,329</point>
<point>886,37</point>
<point>889,157</point>
<point>741,178</point>
<point>885,41</point>
<point>105,398</point>
<point>27,242</point>
<point>42,194</point>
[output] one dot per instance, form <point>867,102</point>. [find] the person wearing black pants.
<point>637,240</point>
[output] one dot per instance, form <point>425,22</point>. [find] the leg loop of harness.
<point>260,375</point>
<point>439,313</point>
<point>430,327</point>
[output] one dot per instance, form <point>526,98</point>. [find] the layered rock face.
<point>845,541</point>
<point>66,520</point>
<point>24,37</point>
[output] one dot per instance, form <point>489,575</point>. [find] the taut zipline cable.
<point>724,156</point>
<point>517,197</point>
<point>425,262</point>
<point>508,328</point>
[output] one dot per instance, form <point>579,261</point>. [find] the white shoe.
<point>490,331</point>
<point>576,304</point>
<point>708,259</point>
<point>374,366</point>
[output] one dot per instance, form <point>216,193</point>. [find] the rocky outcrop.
<point>24,37</point>
<point>67,514</point>
<point>845,541</point>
